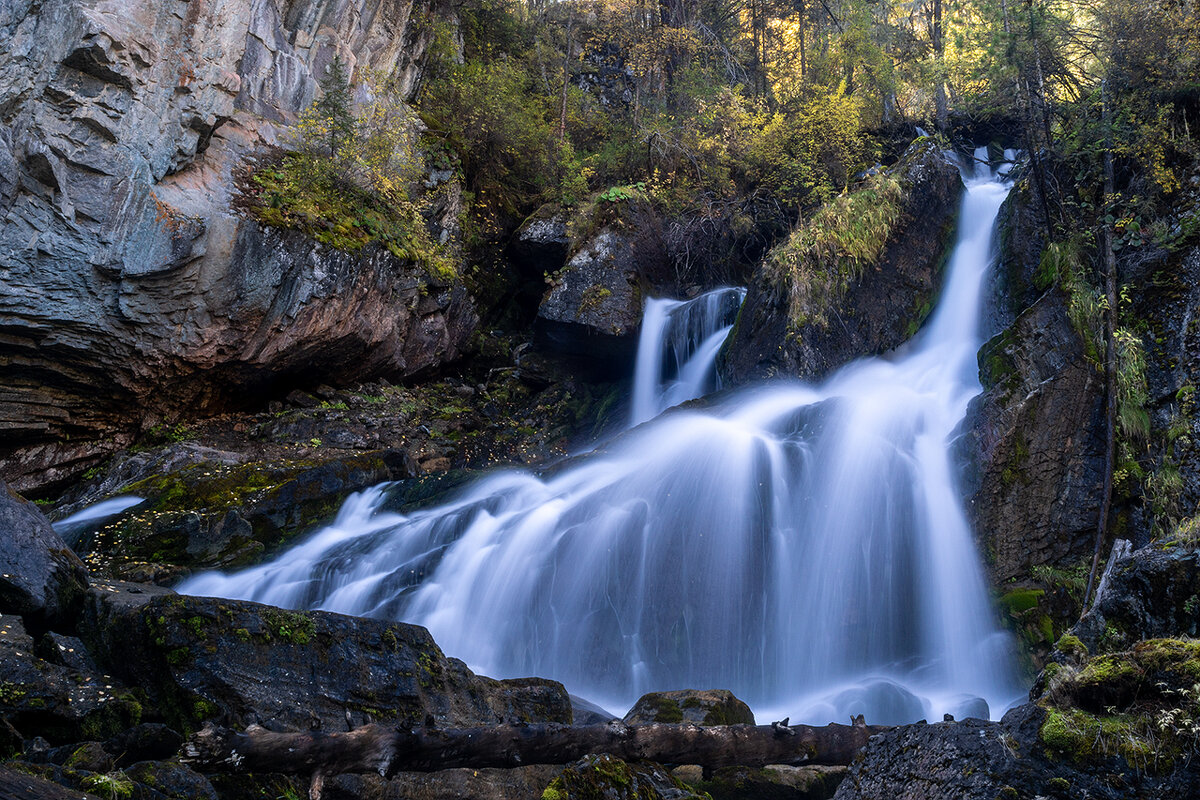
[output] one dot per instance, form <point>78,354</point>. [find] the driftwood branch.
<point>386,749</point>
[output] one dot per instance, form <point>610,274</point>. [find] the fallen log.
<point>386,749</point>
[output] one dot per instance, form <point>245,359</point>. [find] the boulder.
<point>18,784</point>
<point>602,776</point>
<point>1151,594</point>
<point>1034,444</point>
<point>61,705</point>
<point>39,577</point>
<point>203,658</point>
<point>713,707</point>
<point>220,513</point>
<point>880,310</point>
<point>132,291</point>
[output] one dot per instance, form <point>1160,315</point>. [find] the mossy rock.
<point>712,707</point>
<point>603,777</point>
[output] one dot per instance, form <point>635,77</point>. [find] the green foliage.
<point>110,786</point>
<point>826,253</point>
<point>346,180</point>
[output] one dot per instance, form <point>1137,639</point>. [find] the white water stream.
<point>803,546</point>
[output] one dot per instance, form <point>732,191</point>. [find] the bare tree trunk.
<point>1110,356</point>
<point>940,101</point>
<point>562,121</point>
<point>386,750</point>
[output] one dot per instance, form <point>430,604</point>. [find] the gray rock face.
<point>207,658</point>
<point>1035,444</point>
<point>541,244</point>
<point>128,288</point>
<point>594,308</point>
<point>39,576</point>
<point>878,312</point>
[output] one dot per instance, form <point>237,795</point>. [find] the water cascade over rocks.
<point>803,546</point>
<point>677,350</point>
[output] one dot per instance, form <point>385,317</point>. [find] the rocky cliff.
<point>129,291</point>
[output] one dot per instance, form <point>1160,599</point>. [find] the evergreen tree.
<point>334,108</point>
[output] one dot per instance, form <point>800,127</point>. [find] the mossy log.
<point>386,749</point>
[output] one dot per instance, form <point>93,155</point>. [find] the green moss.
<point>290,626</point>
<point>1021,600</point>
<point>1071,646</point>
<point>554,791</point>
<point>1070,733</point>
<point>667,710</point>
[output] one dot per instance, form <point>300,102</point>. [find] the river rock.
<point>773,782</point>
<point>204,658</point>
<point>713,707</point>
<point>131,291</point>
<point>39,576</point>
<point>20,784</point>
<point>882,309</point>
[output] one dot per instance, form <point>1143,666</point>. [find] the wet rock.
<point>59,704</point>
<point>171,780</point>
<point>602,776</point>
<point>39,577</point>
<point>89,756</point>
<point>132,292</point>
<point>17,784</point>
<point>774,782</point>
<point>713,707</point>
<point>881,310</point>
<point>1034,444</point>
<point>220,514</point>
<point>1151,594</point>
<point>588,713</point>
<point>522,783</point>
<point>202,658</point>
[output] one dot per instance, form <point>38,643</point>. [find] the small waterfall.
<point>677,350</point>
<point>804,546</point>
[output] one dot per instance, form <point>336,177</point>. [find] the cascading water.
<point>677,350</point>
<point>802,546</point>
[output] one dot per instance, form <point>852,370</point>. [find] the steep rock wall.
<point>129,291</point>
<point>1033,440</point>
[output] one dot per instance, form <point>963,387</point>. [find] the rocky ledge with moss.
<point>857,278</point>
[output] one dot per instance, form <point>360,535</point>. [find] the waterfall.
<point>804,546</point>
<point>677,350</point>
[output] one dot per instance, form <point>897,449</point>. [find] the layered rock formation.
<point>130,292</point>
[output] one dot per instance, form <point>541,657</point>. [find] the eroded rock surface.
<point>131,291</point>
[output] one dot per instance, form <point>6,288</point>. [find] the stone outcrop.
<point>879,311</point>
<point>1035,444</point>
<point>200,658</point>
<point>39,577</point>
<point>592,310</point>
<point>130,290</point>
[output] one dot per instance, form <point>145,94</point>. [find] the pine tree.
<point>334,107</point>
